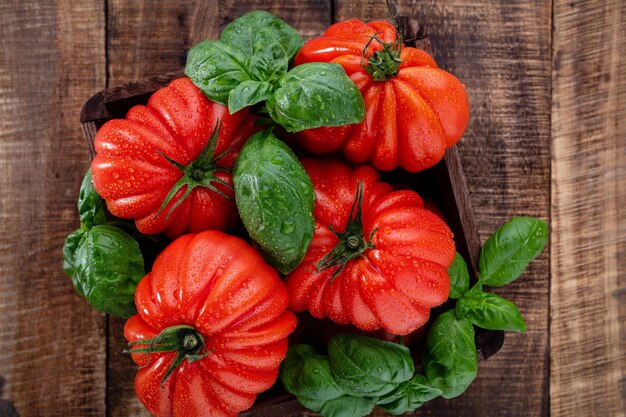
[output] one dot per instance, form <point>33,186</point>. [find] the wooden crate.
<point>444,184</point>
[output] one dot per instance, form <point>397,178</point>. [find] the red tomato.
<point>158,150</point>
<point>415,111</point>
<point>383,266</point>
<point>221,311</point>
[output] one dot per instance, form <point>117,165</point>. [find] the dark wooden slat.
<point>52,344</point>
<point>588,342</point>
<point>501,51</point>
<point>147,39</point>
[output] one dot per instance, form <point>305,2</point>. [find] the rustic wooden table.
<point>547,138</point>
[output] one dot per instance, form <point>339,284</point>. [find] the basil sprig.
<point>249,64</point>
<point>275,199</point>
<point>103,261</point>
<point>307,375</point>
<point>450,360</point>
<point>358,373</point>
<point>507,253</point>
<point>386,364</point>
<point>409,396</point>
<point>490,311</point>
<point>459,277</point>
<point>316,94</point>
<point>91,210</point>
<point>252,31</point>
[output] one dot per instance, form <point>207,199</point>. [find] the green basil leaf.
<point>275,199</point>
<point>216,68</point>
<point>91,209</point>
<point>254,30</point>
<point>364,366</point>
<point>450,361</point>
<point>269,63</point>
<point>108,265</point>
<point>507,253</point>
<point>306,374</point>
<point>459,277</point>
<point>348,406</point>
<point>409,396</point>
<point>247,94</point>
<point>70,248</point>
<point>316,94</point>
<point>490,311</point>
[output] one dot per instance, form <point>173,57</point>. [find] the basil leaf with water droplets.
<point>450,362</point>
<point>254,30</point>
<point>275,199</point>
<point>70,247</point>
<point>316,94</point>
<point>507,253</point>
<point>216,68</point>
<point>91,207</point>
<point>490,311</point>
<point>364,366</point>
<point>269,63</point>
<point>409,396</point>
<point>105,264</point>
<point>348,406</point>
<point>248,93</point>
<point>306,374</point>
<point>459,277</point>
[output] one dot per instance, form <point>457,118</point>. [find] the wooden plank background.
<point>547,138</point>
<point>588,315</point>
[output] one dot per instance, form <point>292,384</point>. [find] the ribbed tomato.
<point>415,111</point>
<point>211,330</point>
<point>378,258</point>
<point>167,165</point>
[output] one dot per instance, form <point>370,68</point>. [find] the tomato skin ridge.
<point>391,286</point>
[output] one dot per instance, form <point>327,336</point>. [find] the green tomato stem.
<point>186,340</point>
<point>384,64</point>
<point>352,244</point>
<point>199,173</point>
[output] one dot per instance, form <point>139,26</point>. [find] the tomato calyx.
<point>199,173</point>
<point>185,340</point>
<point>352,243</point>
<point>384,64</point>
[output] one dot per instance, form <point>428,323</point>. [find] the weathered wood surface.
<point>588,330</point>
<point>52,344</point>
<point>526,94</point>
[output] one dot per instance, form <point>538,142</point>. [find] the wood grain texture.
<point>145,39</point>
<point>52,350</point>
<point>588,344</point>
<point>501,51</point>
